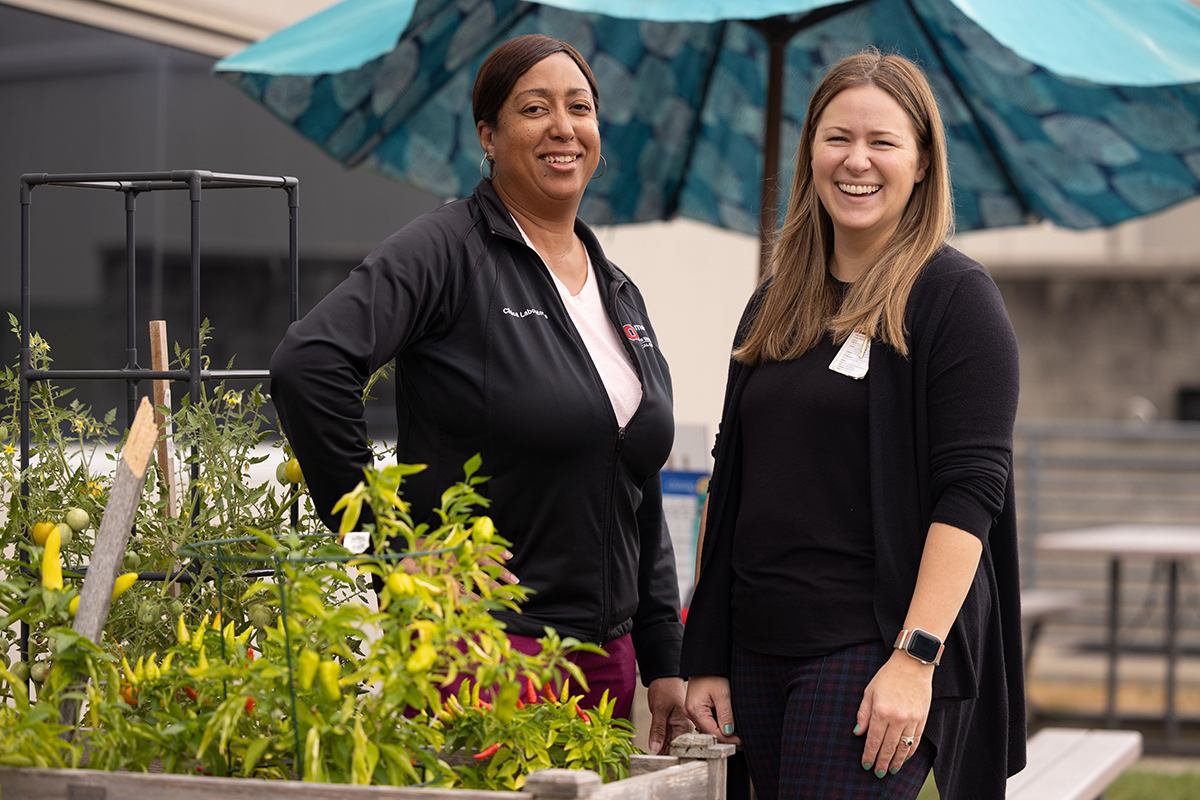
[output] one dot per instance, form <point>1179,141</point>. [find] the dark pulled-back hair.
<point>507,63</point>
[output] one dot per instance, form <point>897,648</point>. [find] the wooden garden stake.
<point>159,354</point>
<point>159,361</point>
<point>96,595</point>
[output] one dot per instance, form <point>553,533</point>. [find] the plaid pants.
<point>795,717</point>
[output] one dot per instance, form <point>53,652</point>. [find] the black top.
<point>803,539</point>
<point>940,434</point>
<point>488,361</point>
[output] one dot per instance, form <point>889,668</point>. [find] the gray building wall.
<point>1105,347</point>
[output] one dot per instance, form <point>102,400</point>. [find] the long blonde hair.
<point>803,302</point>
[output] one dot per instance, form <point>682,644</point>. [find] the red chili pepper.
<point>583,715</point>
<point>191,693</point>
<point>549,692</point>
<point>250,655</point>
<point>530,693</point>
<point>520,704</point>
<point>487,752</point>
<point>250,704</point>
<point>129,693</point>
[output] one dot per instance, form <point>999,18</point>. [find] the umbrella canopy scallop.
<point>1084,112</point>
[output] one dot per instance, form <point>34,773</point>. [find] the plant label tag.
<point>356,541</point>
<point>854,358</point>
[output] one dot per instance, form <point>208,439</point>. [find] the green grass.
<point>1133,784</point>
<point>1136,784</point>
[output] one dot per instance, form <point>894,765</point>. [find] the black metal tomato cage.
<point>132,184</point>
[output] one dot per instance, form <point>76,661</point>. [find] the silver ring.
<point>907,741</point>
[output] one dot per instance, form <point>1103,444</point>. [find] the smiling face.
<point>546,141</point>
<point>865,163</point>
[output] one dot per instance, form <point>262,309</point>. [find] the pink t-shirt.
<point>604,346</point>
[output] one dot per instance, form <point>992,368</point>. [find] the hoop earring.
<point>491,162</point>
<point>603,167</point>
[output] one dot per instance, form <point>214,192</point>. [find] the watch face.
<point>924,646</point>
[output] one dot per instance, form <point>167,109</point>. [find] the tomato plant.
<point>216,672</point>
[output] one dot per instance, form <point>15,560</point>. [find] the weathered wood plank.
<point>704,747</point>
<point>683,782</point>
<point>643,765</point>
<point>96,596</point>
<point>1073,764</point>
<point>81,784</point>
<point>159,361</point>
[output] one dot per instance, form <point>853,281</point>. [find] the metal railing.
<point>1080,474</point>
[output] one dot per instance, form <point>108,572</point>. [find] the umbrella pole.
<point>768,214</point>
<point>777,32</point>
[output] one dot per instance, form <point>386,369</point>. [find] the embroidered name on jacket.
<point>525,313</point>
<point>637,333</point>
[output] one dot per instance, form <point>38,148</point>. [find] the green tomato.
<point>281,472</point>
<point>131,561</point>
<point>20,670</point>
<point>261,616</point>
<point>65,534</point>
<point>175,607</point>
<point>3,432</point>
<point>293,472</point>
<point>149,613</point>
<point>78,519</point>
<point>39,671</point>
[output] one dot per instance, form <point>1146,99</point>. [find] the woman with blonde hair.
<point>863,480</point>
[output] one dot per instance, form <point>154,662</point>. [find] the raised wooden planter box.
<point>695,770</point>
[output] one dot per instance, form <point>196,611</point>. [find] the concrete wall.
<point>1107,320</point>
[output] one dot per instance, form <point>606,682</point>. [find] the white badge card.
<point>356,541</point>
<point>854,358</point>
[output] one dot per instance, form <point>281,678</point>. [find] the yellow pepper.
<point>422,658</point>
<point>400,584</point>
<point>181,632</point>
<point>119,588</point>
<point>484,528</point>
<point>123,583</point>
<point>51,566</point>
<point>152,671</point>
<point>130,676</point>
<point>328,673</point>
<point>306,669</point>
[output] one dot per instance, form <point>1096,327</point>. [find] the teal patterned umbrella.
<point>1082,112</point>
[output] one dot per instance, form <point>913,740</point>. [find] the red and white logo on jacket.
<point>637,333</point>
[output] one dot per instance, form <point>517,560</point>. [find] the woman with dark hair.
<point>514,337</point>
<point>863,480</point>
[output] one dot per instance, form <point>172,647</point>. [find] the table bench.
<point>1073,763</point>
<point>1038,606</point>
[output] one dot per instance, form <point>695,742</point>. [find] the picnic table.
<point>1172,544</point>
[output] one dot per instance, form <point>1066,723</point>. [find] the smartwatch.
<point>921,645</point>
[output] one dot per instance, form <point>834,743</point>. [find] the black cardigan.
<point>941,424</point>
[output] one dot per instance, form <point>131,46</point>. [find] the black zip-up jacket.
<point>489,361</point>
